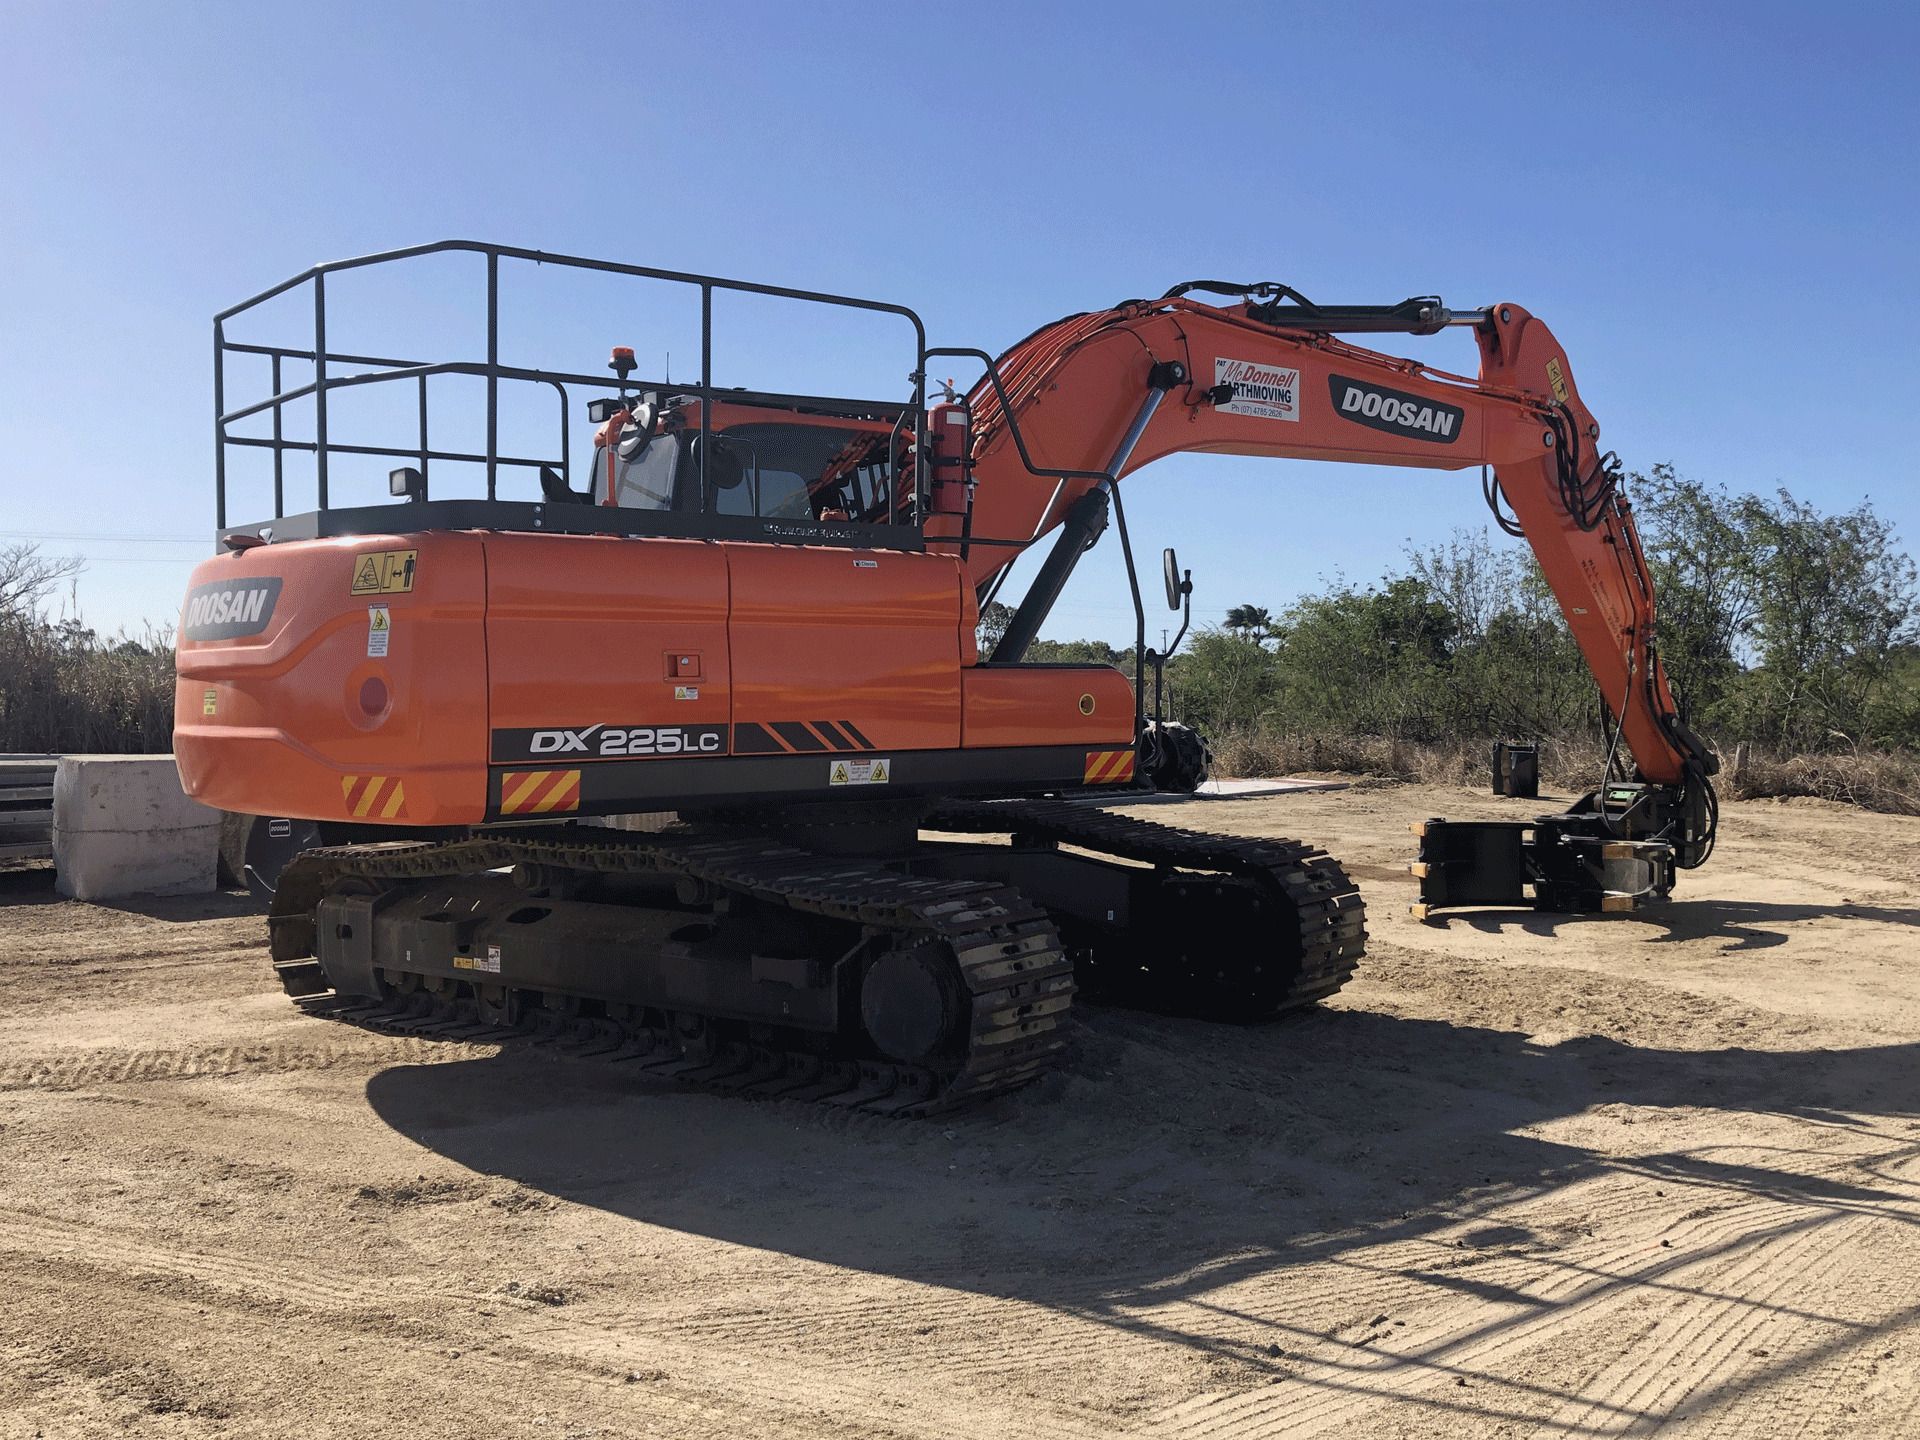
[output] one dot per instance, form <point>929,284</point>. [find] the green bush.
<point>1778,625</point>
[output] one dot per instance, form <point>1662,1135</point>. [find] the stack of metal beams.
<point>26,806</point>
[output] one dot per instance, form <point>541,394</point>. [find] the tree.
<point>1837,606</point>
<point>1472,579</point>
<point>994,619</point>
<point>1701,549</point>
<point>1777,622</point>
<point>1226,681</point>
<point>27,578</point>
<point>1249,620</point>
<point>1368,662</point>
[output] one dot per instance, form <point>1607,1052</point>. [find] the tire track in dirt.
<point>86,1068</point>
<point>1760,1236</point>
<point>1699,1339</point>
<point>1336,1378</point>
<point>106,1379</point>
<point>535,1338</point>
<point>119,1253</point>
<point>1149,1310</point>
<point>1866,1275</point>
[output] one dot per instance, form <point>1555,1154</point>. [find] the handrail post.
<point>493,371</point>
<point>706,394</point>
<point>423,437</point>
<point>279,451</point>
<point>219,429</point>
<point>320,384</point>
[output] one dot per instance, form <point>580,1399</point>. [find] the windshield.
<point>778,469</point>
<point>643,480</point>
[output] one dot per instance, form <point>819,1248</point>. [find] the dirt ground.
<point>1528,1175</point>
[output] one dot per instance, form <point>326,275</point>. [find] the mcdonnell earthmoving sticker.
<point>228,609</point>
<point>379,631</point>
<point>385,572</point>
<point>1395,411</point>
<point>1270,391</point>
<point>859,772</point>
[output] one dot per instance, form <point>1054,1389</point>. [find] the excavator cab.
<point>760,462</point>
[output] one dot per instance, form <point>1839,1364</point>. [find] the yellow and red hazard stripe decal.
<point>1108,767</point>
<point>539,792</point>
<point>374,797</point>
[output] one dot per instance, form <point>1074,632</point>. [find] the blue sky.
<point>1715,208</point>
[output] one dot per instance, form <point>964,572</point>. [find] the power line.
<point>132,539</point>
<point>137,559</point>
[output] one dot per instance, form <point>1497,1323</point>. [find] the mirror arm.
<point>1186,618</point>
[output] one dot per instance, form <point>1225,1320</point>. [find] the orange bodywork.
<point>532,676</point>
<point>454,677</point>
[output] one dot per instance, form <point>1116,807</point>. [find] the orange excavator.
<point>893,865</point>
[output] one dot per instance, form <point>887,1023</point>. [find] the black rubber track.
<point>1308,932</point>
<point>1004,948</point>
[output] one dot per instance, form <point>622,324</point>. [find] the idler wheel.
<point>910,1003</point>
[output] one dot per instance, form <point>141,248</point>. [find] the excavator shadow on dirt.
<point>1743,924</point>
<point>1180,1172</point>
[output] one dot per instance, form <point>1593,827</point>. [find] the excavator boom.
<point>1263,378</point>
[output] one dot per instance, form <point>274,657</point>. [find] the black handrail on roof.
<point>387,369</point>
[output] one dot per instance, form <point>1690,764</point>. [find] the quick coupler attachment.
<point>1570,864</point>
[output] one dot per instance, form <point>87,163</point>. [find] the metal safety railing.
<point>375,370</point>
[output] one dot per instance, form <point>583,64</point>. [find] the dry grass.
<point>1568,764</point>
<point>62,690</point>
<point>1872,780</point>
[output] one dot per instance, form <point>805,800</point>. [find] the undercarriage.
<point>859,962</point>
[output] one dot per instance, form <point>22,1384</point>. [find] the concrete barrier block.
<point>122,825</point>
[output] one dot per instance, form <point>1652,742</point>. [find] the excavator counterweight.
<point>880,865</point>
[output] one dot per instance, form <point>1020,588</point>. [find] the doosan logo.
<point>230,609</point>
<point>1395,411</point>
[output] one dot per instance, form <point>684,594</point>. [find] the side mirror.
<point>1170,570</point>
<point>638,432</point>
<point>645,411</point>
<point>726,468</point>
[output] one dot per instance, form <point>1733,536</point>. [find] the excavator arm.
<point>1071,410</point>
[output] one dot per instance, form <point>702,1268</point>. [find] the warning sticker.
<point>1557,378</point>
<point>384,572</point>
<point>860,772</point>
<point>209,702</point>
<point>379,631</point>
<point>686,692</point>
<point>488,963</point>
<point>1270,391</point>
